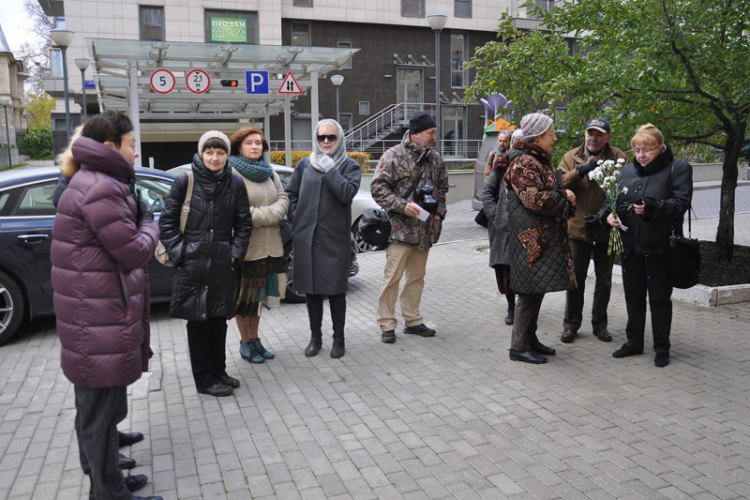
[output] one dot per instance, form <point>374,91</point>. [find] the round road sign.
<point>197,81</point>
<point>162,81</point>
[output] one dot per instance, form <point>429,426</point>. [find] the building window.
<point>345,45</point>
<point>301,34</point>
<point>412,8</point>
<point>364,108</point>
<point>303,3</point>
<point>462,8</point>
<point>231,26</point>
<point>55,63</point>
<point>151,21</point>
<point>542,4</point>
<point>459,54</point>
<point>346,121</point>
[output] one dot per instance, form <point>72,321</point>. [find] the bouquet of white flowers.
<point>607,175</point>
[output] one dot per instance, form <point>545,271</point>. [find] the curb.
<point>699,294</point>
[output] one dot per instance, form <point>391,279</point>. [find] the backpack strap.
<point>186,204</point>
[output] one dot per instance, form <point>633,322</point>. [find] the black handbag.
<point>375,227</point>
<point>686,258</point>
<point>482,219</point>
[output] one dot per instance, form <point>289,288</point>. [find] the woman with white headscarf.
<point>538,246</point>
<point>320,195</point>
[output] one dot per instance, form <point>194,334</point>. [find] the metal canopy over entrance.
<point>123,69</point>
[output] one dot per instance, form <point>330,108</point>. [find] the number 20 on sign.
<point>197,81</point>
<point>162,81</point>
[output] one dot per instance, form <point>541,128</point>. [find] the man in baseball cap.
<point>587,238</point>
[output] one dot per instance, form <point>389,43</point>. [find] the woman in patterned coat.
<point>538,246</point>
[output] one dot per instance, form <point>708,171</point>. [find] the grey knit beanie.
<point>535,124</point>
<point>213,134</point>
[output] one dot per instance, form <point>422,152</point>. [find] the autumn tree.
<point>39,106</point>
<point>683,65</point>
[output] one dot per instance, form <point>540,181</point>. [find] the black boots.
<point>315,313</point>
<point>338,317</point>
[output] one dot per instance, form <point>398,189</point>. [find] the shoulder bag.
<point>160,254</point>
<point>685,253</point>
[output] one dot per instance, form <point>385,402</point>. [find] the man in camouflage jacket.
<point>411,238</point>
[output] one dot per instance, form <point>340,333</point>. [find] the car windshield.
<point>284,177</point>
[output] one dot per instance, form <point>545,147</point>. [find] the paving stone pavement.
<point>444,417</point>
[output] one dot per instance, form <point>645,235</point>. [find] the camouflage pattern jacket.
<point>394,177</point>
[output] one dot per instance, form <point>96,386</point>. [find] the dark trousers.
<point>642,274</point>
<point>315,312</point>
<point>582,252</point>
<point>524,336</point>
<point>206,341</point>
<point>98,411</point>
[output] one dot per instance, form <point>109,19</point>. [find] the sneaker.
<point>388,337</point>
<point>422,330</point>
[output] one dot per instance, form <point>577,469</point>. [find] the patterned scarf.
<point>253,170</point>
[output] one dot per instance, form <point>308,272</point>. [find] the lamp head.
<point>437,21</point>
<point>4,102</point>
<point>82,63</point>
<point>62,37</point>
<point>337,80</point>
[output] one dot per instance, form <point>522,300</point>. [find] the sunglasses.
<point>327,137</point>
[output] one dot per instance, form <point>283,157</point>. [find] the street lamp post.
<point>437,23</point>
<point>337,80</point>
<point>63,38</point>
<point>5,103</point>
<point>82,64</point>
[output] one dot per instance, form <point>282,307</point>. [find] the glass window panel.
<point>345,45</point>
<point>364,108</point>
<point>152,23</point>
<point>301,34</point>
<point>36,200</point>
<point>303,3</point>
<point>462,8</point>
<point>412,8</point>
<point>346,120</point>
<point>458,56</point>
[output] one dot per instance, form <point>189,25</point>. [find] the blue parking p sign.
<point>257,82</point>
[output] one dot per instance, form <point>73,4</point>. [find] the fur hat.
<point>420,122</point>
<point>535,124</point>
<point>213,134</point>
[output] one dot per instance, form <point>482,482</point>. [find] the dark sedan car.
<point>26,218</point>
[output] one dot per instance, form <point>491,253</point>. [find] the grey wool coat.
<point>495,206</point>
<point>320,212</point>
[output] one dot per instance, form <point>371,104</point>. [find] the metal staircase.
<point>379,126</point>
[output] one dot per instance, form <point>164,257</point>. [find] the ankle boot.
<point>315,313</point>
<point>262,350</point>
<point>338,318</point>
<point>510,318</point>
<point>250,353</point>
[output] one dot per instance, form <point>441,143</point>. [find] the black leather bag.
<point>375,227</point>
<point>482,219</point>
<point>686,259</point>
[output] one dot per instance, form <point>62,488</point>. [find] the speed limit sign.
<point>162,81</point>
<point>197,81</point>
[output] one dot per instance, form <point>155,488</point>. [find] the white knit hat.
<point>213,134</point>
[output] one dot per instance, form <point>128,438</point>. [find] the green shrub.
<point>36,143</point>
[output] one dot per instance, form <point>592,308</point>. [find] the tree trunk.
<point>725,231</point>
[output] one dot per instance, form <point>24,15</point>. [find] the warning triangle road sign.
<point>289,85</point>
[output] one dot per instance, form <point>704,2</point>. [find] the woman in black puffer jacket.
<point>659,192</point>
<point>217,233</point>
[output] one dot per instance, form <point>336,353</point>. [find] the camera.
<point>423,196</point>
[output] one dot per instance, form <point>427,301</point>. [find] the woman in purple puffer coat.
<point>103,238</point>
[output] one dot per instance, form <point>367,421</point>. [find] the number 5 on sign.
<point>162,81</point>
<point>197,81</point>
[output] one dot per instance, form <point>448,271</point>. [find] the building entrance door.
<point>410,84</point>
<point>453,142</point>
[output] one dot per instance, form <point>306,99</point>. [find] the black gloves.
<point>584,168</point>
<point>592,222</point>
<point>144,208</point>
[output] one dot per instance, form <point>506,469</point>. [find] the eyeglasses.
<point>327,137</point>
<point>645,151</point>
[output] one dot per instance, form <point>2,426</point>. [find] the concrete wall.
<point>4,158</point>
